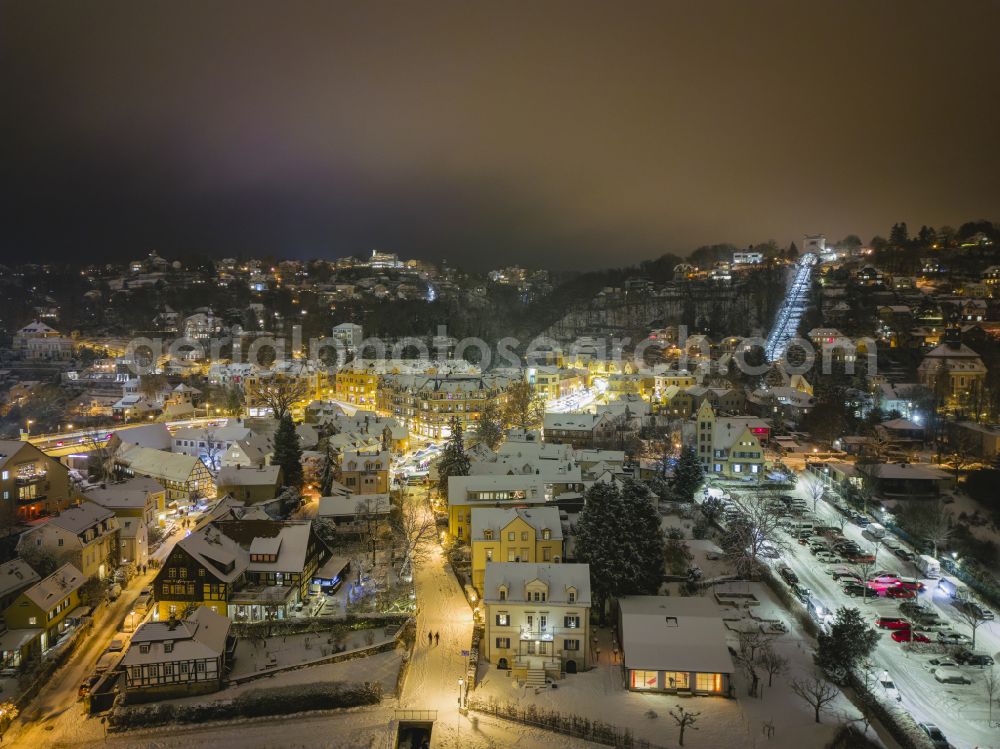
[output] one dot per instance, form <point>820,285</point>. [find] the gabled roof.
<point>288,539</point>
<point>57,586</point>
<point>16,575</point>
<point>498,518</point>
<point>78,519</point>
<point>128,494</point>
<point>202,635</point>
<point>155,436</point>
<point>158,464</point>
<point>516,576</point>
<point>347,505</point>
<point>218,553</point>
<point>249,476</point>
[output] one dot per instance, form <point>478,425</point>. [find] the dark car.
<point>968,658</point>
<point>897,591</point>
<point>788,575</point>
<point>905,555</point>
<point>937,738</point>
<point>854,589</point>
<point>802,593</point>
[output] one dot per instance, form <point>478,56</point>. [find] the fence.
<point>568,725</point>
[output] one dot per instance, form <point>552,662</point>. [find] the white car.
<point>950,637</point>
<point>889,687</point>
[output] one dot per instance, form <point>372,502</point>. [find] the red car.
<point>908,635</point>
<point>898,591</point>
<point>891,622</point>
<point>910,583</point>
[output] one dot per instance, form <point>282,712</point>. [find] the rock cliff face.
<point>740,308</point>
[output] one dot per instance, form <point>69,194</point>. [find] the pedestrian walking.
<point>430,638</point>
<point>437,637</point>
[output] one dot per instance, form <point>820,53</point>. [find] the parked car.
<point>950,676</point>
<point>788,575</point>
<point>802,593</point>
<point>889,687</point>
<point>854,589</point>
<point>841,574</point>
<point>934,734</point>
<point>906,556</point>
<point>943,661</point>
<point>949,637</point>
<point>861,558</point>
<point>908,635</point>
<point>968,658</point>
<point>116,645</point>
<point>88,684</point>
<point>890,543</point>
<point>891,622</point>
<point>910,583</point>
<point>973,608</point>
<point>897,591</point>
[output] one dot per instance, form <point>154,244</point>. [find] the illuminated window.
<point>708,682</point>
<point>645,679</point>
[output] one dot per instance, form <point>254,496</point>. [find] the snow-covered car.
<point>890,543</point>
<point>950,637</point>
<point>889,687</point>
<point>943,662</point>
<point>950,676</point>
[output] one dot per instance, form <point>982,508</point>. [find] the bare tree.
<point>865,570</point>
<point>684,719</point>
<point>414,527</point>
<point>930,520</point>
<point>815,491</point>
<point>101,464</point>
<point>751,532</point>
<point>751,644</point>
<point>773,663</point>
<point>816,692</point>
<point>371,521</point>
<point>971,615</point>
<point>212,451</point>
<point>278,392</point>
<point>991,685</point>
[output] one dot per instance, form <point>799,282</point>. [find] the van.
<point>950,676</point>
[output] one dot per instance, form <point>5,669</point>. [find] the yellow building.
<point>514,535</point>
<point>537,619</point>
<point>506,491</point>
<point>426,404</point>
<point>357,383</point>
<point>42,613</point>
<point>730,447</point>
<point>365,472</point>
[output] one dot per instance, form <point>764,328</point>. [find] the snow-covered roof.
<point>248,476</point>
<point>498,518</point>
<point>155,436</point>
<point>15,575</point>
<point>128,494</point>
<point>57,586</point>
<point>78,519</point>
<point>671,633</point>
<point>202,635</point>
<point>344,506</point>
<point>517,576</point>
<point>158,464</point>
<point>217,552</point>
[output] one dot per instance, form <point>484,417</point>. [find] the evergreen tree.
<point>489,430</point>
<point>326,477</point>
<point>288,453</point>
<point>610,515</point>
<point>524,408</point>
<point>453,461</point>
<point>688,475</point>
<point>850,640</point>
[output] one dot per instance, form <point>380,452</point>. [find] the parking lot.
<point>925,678</point>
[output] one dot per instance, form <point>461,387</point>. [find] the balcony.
<point>24,479</point>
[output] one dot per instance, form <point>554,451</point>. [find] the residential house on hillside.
<point>15,576</point>
<point>730,446</point>
<point>32,484</point>
<point>138,503</point>
<point>88,536</point>
<point>42,613</point>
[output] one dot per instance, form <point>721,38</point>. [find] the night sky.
<point>568,134</point>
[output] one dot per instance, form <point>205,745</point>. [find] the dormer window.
<point>546,534</point>
<point>488,535</point>
<point>503,593</point>
<point>571,596</point>
<point>168,646</point>
<point>144,647</point>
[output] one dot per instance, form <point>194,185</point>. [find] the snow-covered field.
<point>289,650</point>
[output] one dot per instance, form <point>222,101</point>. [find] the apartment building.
<point>730,447</point>
<point>87,536</point>
<point>468,492</point>
<point>32,484</point>
<point>528,535</point>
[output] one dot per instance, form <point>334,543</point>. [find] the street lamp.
<point>461,685</point>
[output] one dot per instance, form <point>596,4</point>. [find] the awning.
<point>332,569</point>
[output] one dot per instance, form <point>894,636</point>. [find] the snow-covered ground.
<point>289,650</point>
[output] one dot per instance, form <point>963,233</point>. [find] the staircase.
<point>536,678</point>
